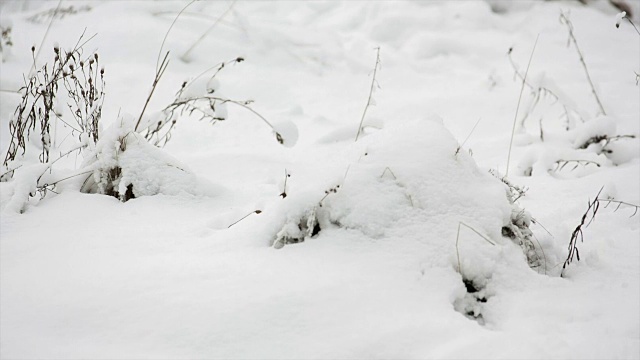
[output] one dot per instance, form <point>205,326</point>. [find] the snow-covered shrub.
<point>403,179</point>
<point>120,162</point>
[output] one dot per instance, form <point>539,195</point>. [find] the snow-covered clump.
<point>126,166</point>
<point>407,188</point>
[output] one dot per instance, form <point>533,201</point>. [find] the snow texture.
<point>407,243</point>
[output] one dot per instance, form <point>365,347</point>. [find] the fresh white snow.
<point>323,247</point>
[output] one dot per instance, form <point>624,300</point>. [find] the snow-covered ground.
<point>402,244</point>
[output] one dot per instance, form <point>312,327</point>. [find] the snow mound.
<point>127,166</point>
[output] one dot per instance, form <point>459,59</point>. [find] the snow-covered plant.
<point>518,228</point>
<point>298,228</point>
<point>520,233</point>
<point>200,97</point>
<point>125,165</point>
<point>600,136</point>
<point>514,192</point>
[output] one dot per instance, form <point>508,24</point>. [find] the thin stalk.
<point>158,66</point>
<point>161,70</point>
<point>185,56</point>
<point>515,118</point>
<point>373,83</point>
<point>458,239</point>
<point>565,20</point>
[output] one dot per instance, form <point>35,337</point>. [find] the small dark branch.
<point>373,83</point>
<point>541,131</point>
<point>564,19</point>
<point>589,215</point>
<point>9,173</point>
<point>284,191</point>
<point>561,164</point>
<point>332,190</point>
<point>605,139</point>
<point>159,72</point>
<point>587,218</point>
<point>620,204</point>
<point>244,217</point>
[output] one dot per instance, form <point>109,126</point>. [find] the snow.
<point>401,244</point>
